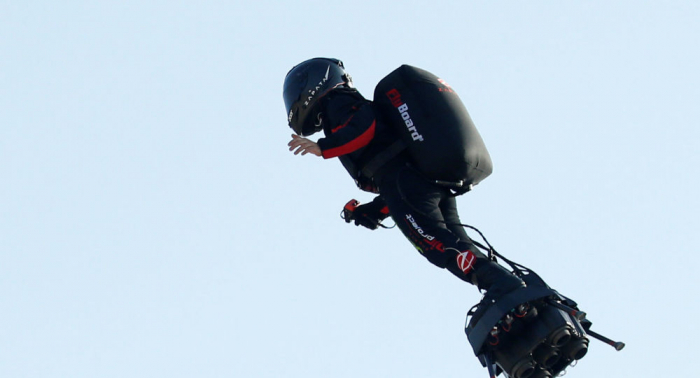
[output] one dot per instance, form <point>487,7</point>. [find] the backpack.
<point>435,127</point>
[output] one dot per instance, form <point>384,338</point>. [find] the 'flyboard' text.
<point>395,98</point>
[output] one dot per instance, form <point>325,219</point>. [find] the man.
<point>319,95</point>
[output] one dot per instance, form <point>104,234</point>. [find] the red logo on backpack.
<point>447,87</point>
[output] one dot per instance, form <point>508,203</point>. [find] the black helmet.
<point>305,85</point>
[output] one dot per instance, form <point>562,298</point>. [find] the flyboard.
<point>532,332</point>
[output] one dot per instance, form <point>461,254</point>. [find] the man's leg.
<point>427,215</point>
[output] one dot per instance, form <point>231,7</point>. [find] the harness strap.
<point>371,168</point>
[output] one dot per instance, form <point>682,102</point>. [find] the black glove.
<point>368,215</point>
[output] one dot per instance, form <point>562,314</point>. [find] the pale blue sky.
<point>153,223</point>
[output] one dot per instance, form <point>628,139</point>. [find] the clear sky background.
<point>154,224</point>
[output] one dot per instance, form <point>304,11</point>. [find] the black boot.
<point>494,278</point>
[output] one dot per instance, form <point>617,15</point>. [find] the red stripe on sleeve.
<point>353,145</point>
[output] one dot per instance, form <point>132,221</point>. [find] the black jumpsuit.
<point>425,213</point>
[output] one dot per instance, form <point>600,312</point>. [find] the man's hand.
<point>303,145</point>
<point>369,215</point>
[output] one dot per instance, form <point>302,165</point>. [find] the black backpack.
<point>434,126</point>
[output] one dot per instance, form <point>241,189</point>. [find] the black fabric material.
<point>383,158</point>
<point>494,278</point>
<point>426,214</point>
<point>341,130</point>
<point>435,125</point>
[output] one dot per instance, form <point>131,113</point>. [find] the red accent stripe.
<point>353,145</point>
<point>343,125</point>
